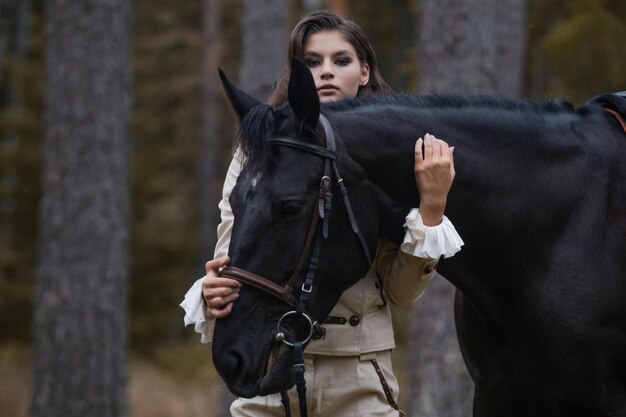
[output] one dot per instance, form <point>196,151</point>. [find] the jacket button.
<point>354,321</point>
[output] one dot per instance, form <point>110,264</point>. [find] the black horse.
<point>539,199</point>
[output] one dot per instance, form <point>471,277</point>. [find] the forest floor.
<point>177,381</point>
<point>155,389</point>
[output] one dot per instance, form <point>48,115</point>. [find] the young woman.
<point>348,372</point>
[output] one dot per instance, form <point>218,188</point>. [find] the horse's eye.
<point>290,207</point>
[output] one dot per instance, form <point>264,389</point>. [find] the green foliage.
<point>585,38</point>
<point>165,258</point>
<point>167,61</point>
<point>393,33</point>
<point>21,132</point>
<point>576,48</point>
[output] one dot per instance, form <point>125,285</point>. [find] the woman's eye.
<point>343,62</point>
<point>291,207</point>
<point>312,63</point>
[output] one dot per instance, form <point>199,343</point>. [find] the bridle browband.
<point>312,245</point>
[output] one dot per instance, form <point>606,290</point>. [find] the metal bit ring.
<point>280,336</point>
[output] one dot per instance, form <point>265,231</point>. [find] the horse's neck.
<point>505,165</point>
<point>385,152</point>
<point>498,152</point>
<point>383,159</point>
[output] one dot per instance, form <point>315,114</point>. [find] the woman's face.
<point>337,71</point>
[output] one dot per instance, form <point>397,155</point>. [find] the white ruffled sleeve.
<point>430,242</point>
<point>193,304</point>
<point>195,312</point>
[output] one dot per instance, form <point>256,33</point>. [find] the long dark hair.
<point>324,20</point>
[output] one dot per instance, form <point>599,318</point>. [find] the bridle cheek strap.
<point>330,137</point>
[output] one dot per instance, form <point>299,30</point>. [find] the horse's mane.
<point>256,127</point>
<point>259,124</point>
<point>452,101</point>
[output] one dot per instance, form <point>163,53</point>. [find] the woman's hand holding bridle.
<point>219,293</point>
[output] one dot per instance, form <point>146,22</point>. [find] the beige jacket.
<point>361,320</point>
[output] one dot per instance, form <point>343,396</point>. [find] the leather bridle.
<point>618,116</point>
<point>316,234</point>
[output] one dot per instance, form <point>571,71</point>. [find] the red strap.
<point>618,117</point>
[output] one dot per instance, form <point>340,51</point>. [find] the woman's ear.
<point>302,95</point>
<point>365,75</point>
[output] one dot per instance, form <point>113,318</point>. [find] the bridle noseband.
<point>315,236</point>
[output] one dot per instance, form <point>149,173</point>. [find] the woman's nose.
<point>327,70</point>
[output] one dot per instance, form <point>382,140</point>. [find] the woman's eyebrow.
<point>317,55</point>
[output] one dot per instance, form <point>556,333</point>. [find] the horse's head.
<point>275,203</point>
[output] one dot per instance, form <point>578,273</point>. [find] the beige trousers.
<point>337,386</point>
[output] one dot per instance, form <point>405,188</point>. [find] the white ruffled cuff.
<point>430,242</point>
<point>195,312</point>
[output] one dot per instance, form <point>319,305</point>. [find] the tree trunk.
<point>209,161</point>
<point>511,18</point>
<point>265,40</point>
<point>457,46</point>
<point>466,46</point>
<point>341,7</point>
<point>80,352</point>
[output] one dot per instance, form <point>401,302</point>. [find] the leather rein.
<point>618,117</point>
<point>316,234</point>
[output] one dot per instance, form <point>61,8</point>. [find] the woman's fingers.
<point>435,153</point>
<point>219,301</point>
<point>430,149</point>
<point>214,286</point>
<point>428,146</point>
<point>213,281</point>
<point>213,266</point>
<point>219,293</point>
<point>219,298</point>
<point>452,171</point>
<point>434,173</point>
<point>219,313</point>
<point>418,148</point>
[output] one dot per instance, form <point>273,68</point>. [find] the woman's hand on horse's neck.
<point>434,173</point>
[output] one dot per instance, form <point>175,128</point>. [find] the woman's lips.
<point>327,89</point>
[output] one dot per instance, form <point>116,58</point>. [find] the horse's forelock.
<point>256,127</point>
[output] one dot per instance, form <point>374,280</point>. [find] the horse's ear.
<point>302,94</point>
<point>242,103</point>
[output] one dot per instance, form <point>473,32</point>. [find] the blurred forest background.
<point>181,131</point>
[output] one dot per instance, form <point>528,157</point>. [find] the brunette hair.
<point>324,20</point>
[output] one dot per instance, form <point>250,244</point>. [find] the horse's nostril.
<point>231,363</point>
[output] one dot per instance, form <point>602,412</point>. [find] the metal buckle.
<point>325,182</point>
<point>307,288</point>
<point>324,191</point>
<point>280,336</point>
